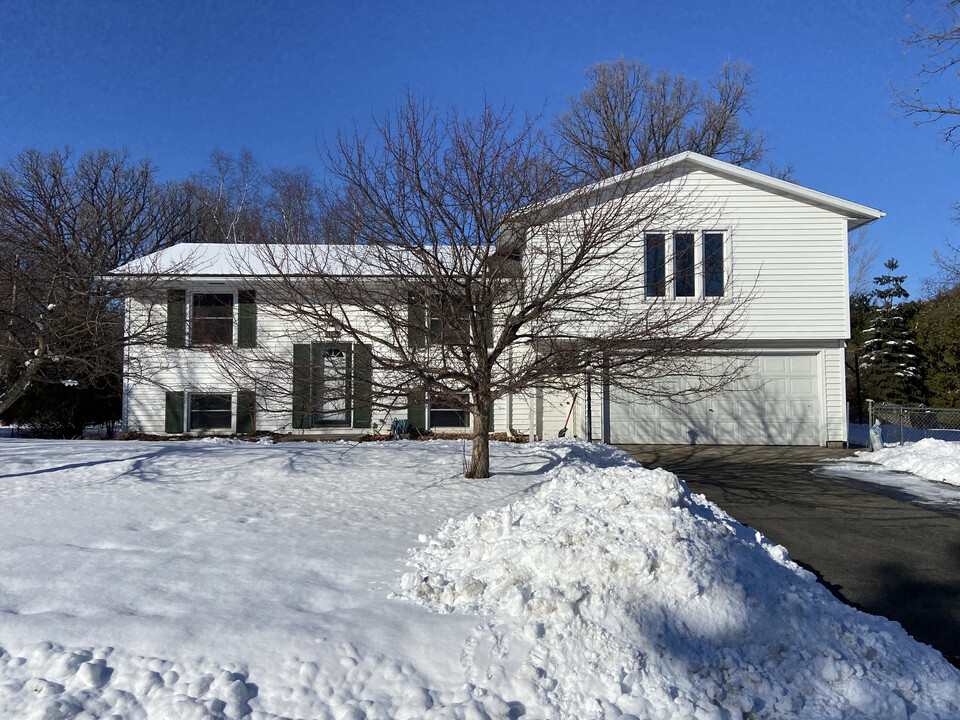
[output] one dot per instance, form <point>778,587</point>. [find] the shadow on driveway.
<point>877,553</point>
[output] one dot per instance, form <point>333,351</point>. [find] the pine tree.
<point>889,351</point>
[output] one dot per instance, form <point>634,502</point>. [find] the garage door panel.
<point>777,404</point>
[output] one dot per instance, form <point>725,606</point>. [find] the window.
<point>448,323</point>
<point>211,321</point>
<point>713,264</point>
<point>443,416</point>
<point>210,411</point>
<point>656,270</point>
<point>683,260</point>
<point>330,384</point>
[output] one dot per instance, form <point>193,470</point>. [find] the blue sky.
<point>175,80</point>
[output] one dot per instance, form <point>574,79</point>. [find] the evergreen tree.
<point>889,351</point>
<point>862,310</point>
<point>938,336</point>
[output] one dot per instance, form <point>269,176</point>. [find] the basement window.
<point>442,416</point>
<point>211,411</point>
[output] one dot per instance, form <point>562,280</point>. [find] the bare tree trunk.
<point>480,459</point>
<point>17,389</point>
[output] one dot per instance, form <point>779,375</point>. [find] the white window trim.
<point>214,290</point>
<point>670,279</point>
<point>186,412</point>
<point>445,428</point>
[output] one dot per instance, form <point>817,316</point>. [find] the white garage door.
<point>778,403</point>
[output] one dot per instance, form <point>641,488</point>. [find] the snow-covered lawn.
<point>216,580</point>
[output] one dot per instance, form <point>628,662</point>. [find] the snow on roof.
<point>232,260</point>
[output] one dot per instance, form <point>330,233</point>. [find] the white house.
<point>782,245</point>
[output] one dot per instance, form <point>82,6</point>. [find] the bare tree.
<point>478,274</point>
<point>630,116</point>
<point>242,203</point>
<point>862,254</point>
<point>937,35</point>
<point>64,224</point>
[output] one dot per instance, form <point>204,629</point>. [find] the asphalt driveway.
<point>878,553</point>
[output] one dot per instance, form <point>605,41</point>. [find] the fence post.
<point>902,413</point>
<point>870,413</point>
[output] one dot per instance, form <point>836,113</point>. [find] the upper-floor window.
<point>684,265</point>
<point>713,264</point>
<point>211,321</point>
<point>448,323</point>
<point>694,266</point>
<point>656,267</point>
<point>207,318</point>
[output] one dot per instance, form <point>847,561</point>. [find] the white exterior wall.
<point>836,393</point>
<point>154,369</point>
<point>788,255</point>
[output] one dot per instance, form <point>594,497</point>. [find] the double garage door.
<point>777,402</point>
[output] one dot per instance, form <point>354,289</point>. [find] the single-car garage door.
<point>776,403</point>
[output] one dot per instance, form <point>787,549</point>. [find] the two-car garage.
<point>778,401</point>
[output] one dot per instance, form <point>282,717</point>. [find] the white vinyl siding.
<point>791,257</point>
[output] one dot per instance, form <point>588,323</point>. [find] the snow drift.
<point>615,592</point>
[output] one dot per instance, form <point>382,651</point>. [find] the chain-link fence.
<point>904,423</point>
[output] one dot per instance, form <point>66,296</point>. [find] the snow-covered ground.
<point>927,470</point>
<point>224,580</point>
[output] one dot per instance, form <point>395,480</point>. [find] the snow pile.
<point>928,458</point>
<point>614,592</point>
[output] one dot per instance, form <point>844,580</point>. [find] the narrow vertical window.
<point>683,265</point>
<point>713,264</point>
<point>656,264</point>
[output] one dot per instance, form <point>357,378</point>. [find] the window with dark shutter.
<point>362,386</point>
<point>211,411</point>
<point>211,322</point>
<point>247,319</point>
<point>301,387</point>
<point>246,411</point>
<point>176,318</point>
<point>173,420</point>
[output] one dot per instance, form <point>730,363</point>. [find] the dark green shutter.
<point>174,414</point>
<point>176,318</point>
<point>301,387</point>
<point>416,321</point>
<point>489,322</point>
<point>247,319</point>
<point>362,386</point>
<point>416,412</point>
<point>246,411</point>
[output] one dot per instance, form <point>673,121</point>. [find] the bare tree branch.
<point>629,116</point>
<point>938,37</point>
<point>474,276</point>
